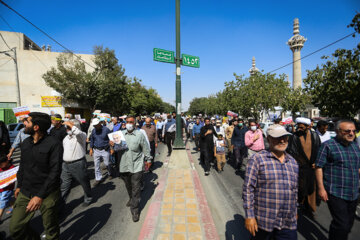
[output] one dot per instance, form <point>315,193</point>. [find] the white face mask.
<point>130,127</point>
<point>70,133</point>
<point>253,128</point>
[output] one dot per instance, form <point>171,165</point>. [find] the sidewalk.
<point>179,209</point>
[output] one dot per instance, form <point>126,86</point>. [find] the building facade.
<point>22,64</point>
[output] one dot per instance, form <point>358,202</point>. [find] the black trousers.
<point>133,187</point>
<point>207,158</point>
<point>159,133</point>
<point>283,234</point>
<point>343,215</point>
<point>152,151</point>
<point>169,139</point>
<point>197,140</point>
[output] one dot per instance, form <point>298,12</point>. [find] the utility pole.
<point>179,59</point>
<point>178,143</point>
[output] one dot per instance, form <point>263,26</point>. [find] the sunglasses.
<point>348,131</point>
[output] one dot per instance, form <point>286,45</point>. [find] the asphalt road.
<point>223,192</point>
<point>107,218</point>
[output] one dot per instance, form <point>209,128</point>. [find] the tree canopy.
<point>106,87</point>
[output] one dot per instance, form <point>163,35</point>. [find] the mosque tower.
<point>296,43</point>
<point>253,69</point>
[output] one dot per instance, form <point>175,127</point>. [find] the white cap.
<point>303,120</point>
<point>95,121</point>
<point>276,131</point>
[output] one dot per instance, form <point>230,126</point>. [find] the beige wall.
<point>32,65</point>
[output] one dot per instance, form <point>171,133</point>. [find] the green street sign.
<point>190,61</point>
<point>162,55</point>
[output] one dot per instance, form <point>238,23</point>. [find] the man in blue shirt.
<point>100,148</point>
<point>337,175</point>
<point>196,133</point>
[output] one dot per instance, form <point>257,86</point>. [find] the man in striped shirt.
<point>270,190</point>
<point>337,176</point>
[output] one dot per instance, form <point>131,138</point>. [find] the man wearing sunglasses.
<point>337,175</point>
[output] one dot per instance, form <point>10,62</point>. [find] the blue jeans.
<point>276,234</point>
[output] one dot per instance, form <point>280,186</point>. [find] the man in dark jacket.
<point>238,143</point>
<point>38,179</point>
<point>207,133</point>
<point>304,146</point>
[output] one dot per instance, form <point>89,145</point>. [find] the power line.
<point>312,52</point>
<point>67,49</point>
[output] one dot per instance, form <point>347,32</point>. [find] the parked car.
<point>14,129</point>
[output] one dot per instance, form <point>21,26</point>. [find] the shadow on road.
<point>235,229</point>
<point>86,223</point>
<point>149,188</point>
<point>310,229</point>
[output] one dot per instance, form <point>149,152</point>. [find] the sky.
<point>225,35</point>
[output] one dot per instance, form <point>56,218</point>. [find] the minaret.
<point>253,69</point>
<point>296,42</point>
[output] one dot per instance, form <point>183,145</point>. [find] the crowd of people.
<point>286,170</point>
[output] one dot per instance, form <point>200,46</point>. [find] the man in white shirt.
<point>321,130</point>
<point>74,161</point>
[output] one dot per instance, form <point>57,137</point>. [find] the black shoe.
<point>128,204</point>
<point>207,173</point>
<point>135,217</point>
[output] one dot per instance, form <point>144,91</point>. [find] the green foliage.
<point>251,96</point>
<point>106,87</point>
<point>335,85</point>
<point>295,100</point>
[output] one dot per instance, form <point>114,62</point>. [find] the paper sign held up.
<point>21,111</point>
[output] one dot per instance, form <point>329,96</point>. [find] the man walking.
<point>100,148</point>
<point>74,164</point>
<point>207,144</point>
<point>322,130</point>
<point>254,140</point>
<point>337,175</point>
<point>58,130</point>
<point>168,133</point>
<point>304,146</point>
<point>151,133</point>
<point>270,190</point>
<point>228,135</point>
<point>132,164</point>
<point>196,133</point>
<point>238,143</point>
<point>159,127</point>
<point>38,180</point>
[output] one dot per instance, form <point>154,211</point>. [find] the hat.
<point>276,131</point>
<point>303,120</point>
<point>95,121</point>
<point>56,117</point>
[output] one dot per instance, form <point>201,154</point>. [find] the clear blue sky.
<point>224,34</point>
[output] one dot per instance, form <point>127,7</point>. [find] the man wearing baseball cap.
<point>270,189</point>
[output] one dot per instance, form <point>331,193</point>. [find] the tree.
<point>296,100</point>
<point>335,86</point>
<point>106,87</point>
<point>102,88</point>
